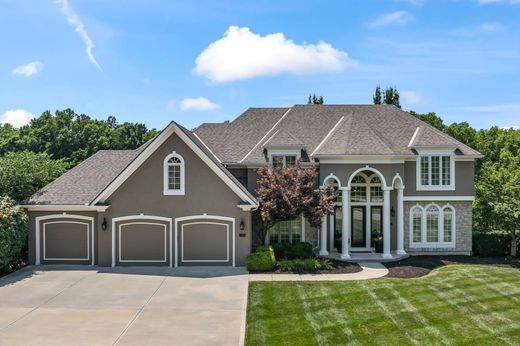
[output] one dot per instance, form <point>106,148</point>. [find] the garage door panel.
<point>66,240</point>
<point>205,242</point>
<point>142,242</point>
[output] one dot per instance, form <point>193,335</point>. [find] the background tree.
<point>24,173</point>
<point>315,100</point>
<point>378,98</point>
<point>13,235</point>
<point>286,193</point>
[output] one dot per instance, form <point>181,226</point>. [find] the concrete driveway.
<point>53,305</point>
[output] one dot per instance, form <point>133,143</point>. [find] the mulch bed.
<point>338,268</point>
<point>416,266</point>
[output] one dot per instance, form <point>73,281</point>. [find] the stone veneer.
<point>463,229</point>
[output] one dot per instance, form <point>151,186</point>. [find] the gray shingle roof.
<point>81,184</point>
<point>283,138</point>
<point>364,130</point>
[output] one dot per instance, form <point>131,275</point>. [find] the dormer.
<point>283,149</point>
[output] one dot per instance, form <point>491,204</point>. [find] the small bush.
<point>13,234</point>
<point>491,244</point>
<point>289,251</point>
<point>262,260</point>
<point>308,264</point>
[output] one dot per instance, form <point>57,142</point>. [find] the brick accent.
<point>463,229</point>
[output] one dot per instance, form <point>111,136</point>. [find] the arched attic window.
<point>174,174</point>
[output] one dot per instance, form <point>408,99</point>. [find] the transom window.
<point>279,161</point>
<point>432,226</point>
<point>435,172</point>
<point>174,174</point>
<point>366,189</point>
<point>286,232</point>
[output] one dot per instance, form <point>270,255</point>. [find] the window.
<point>174,174</point>
<point>286,232</point>
<point>432,226</point>
<point>278,161</point>
<point>435,172</point>
<point>366,189</point>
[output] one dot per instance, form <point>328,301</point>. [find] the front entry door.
<point>358,234</point>
<point>376,222</point>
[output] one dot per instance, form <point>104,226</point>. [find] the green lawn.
<point>457,304</point>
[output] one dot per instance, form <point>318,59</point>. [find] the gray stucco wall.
<point>463,229</point>
<point>344,171</point>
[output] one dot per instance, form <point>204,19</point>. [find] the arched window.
<point>448,220</point>
<point>174,174</point>
<point>432,226</point>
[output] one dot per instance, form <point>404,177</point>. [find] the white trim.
<point>265,136</point>
<point>137,217</point>
<point>204,217</point>
<point>302,237</point>
<point>64,207</point>
<point>413,137</point>
<point>166,174</point>
<point>205,223</point>
<point>152,147</point>
<point>362,159</point>
<point>367,168</point>
<point>398,177</point>
<point>326,138</point>
<point>331,176</point>
<point>142,223</point>
<point>437,198</point>
<point>205,146</point>
<point>61,216</point>
<point>45,258</point>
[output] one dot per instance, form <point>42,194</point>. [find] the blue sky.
<point>208,61</point>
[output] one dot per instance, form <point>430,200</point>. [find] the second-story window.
<point>278,161</point>
<point>435,172</point>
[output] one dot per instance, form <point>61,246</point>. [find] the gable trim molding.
<point>438,198</point>
<point>156,143</point>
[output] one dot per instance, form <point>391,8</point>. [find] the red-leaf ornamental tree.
<point>285,193</point>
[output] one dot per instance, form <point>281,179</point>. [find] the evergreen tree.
<point>315,100</point>
<point>377,96</point>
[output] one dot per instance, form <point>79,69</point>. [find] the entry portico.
<point>363,211</point>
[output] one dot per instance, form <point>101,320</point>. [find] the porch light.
<point>392,211</point>
<point>242,225</point>
<point>104,224</point>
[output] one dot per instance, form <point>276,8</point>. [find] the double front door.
<point>365,224</point>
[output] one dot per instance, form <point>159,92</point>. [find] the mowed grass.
<point>454,305</point>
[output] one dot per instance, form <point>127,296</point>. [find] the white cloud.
<point>410,97</point>
<point>512,127</point>
<point>29,69</point>
<point>499,108</point>
<point>397,17</point>
<point>16,117</point>
<point>490,27</point>
<point>243,54</point>
<point>198,104</point>
<point>75,21</point>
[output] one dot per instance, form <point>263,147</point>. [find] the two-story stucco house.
<point>187,197</point>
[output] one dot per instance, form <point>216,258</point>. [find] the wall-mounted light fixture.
<point>242,225</point>
<point>392,211</point>
<point>104,224</point>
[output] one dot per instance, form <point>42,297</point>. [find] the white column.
<point>386,223</point>
<point>345,225</point>
<point>323,237</point>
<point>400,222</point>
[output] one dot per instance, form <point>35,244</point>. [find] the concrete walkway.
<point>123,306</point>
<point>371,270</point>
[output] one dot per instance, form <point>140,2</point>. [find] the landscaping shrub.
<point>13,234</point>
<point>289,251</point>
<point>491,244</point>
<point>261,260</point>
<point>307,264</point>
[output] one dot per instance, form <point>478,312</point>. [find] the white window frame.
<point>166,189</point>
<point>430,187</point>
<point>439,244</point>
<point>302,233</point>
<point>284,153</point>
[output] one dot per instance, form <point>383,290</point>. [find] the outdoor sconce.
<point>392,212</point>
<point>104,224</point>
<point>242,226</point>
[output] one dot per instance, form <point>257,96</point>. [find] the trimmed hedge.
<point>307,264</point>
<point>289,251</point>
<point>13,235</point>
<point>491,244</point>
<point>261,260</point>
